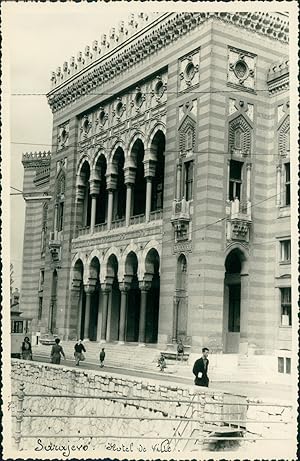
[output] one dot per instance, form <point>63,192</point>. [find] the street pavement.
<point>265,392</point>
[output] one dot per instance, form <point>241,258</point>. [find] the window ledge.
<point>285,326</point>
<point>285,263</point>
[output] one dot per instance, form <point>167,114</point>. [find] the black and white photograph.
<point>149,230</point>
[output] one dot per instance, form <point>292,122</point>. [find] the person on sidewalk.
<point>180,350</point>
<point>102,357</point>
<point>200,369</point>
<point>26,349</point>
<point>78,354</point>
<point>162,362</point>
<point>56,352</point>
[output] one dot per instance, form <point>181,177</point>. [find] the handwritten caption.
<point>66,449</point>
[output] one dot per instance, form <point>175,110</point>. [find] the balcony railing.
<point>138,219</point>
<point>118,223</point>
<point>83,231</point>
<point>155,215</point>
<point>100,227</point>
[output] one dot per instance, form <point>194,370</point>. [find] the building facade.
<point>163,209</point>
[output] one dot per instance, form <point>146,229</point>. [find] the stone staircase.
<point>130,355</point>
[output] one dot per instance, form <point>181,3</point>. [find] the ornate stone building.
<point>163,210</point>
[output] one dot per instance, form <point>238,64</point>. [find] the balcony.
<point>239,221</point>
<point>180,219</point>
<point>138,227</point>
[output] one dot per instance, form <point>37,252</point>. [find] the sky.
<point>38,39</point>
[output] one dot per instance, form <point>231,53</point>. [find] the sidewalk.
<point>182,373</point>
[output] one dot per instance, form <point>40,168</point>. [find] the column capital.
<point>149,168</point>
<point>90,286</point>
<point>111,182</point>
<point>76,285</point>
<point>94,186</point>
<point>129,175</point>
<point>144,285</point>
<point>124,286</point>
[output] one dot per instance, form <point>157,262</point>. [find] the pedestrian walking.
<point>180,350</point>
<point>56,352</point>
<point>78,352</point>
<point>26,349</point>
<point>200,369</point>
<point>162,362</point>
<point>102,357</point>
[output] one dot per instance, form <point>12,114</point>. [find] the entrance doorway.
<point>232,302</point>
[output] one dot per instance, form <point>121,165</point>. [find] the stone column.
<point>248,182</point>
<point>144,287</point>
<point>175,318</point>
<point>149,173</point>
<point>108,326</point>
<point>178,180</point>
<point>122,325</point>
<point>278,185</point>
<point>89,289</point>
<point>244,308</point>
<point>129,179</point>
<point>128,204</point>
<point>99,318</point>
<point>94,191</point>
<point>79,318</point>
<point>228,179</point>
<point>110,208</point>
<point>148,198</point>
<point>55,220</point>
<point>105,300</point>
<point>80,193</point>
<point>111,181</point>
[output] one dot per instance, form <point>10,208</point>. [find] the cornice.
<point>165,30</point>
<point>278,77</point>
<point>36,159</point>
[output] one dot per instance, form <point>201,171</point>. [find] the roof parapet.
<point>30,159</point>
<point>135,23</point>
<point>278,76</point>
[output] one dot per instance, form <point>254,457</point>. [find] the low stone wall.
<point>166,401</point>
<point>158,409</point>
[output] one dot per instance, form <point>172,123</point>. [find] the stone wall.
<point>173,402</point>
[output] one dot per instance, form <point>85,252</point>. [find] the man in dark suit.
<point>200,369</point>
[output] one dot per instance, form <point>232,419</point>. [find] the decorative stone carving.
<point>239,221</point>
<point>188,70</point>
<point>241,69</point>
<point>284,137</point>
<point>101,117</point>
<point>36,159</point>
<point>278,77</point>
<point>187,135</point>
<point>61,164</point>
<point>181,219</point>
<point>119,109</point>
<point>239,137</point>
<point>63,136</point>
<point>86,126</point>
<point>282,110</point>
<point>182,247</point>
<point>188,108</point>
<point>159,89</point>
<point>170,27</point>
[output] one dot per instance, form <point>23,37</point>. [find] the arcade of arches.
<point>116,309</point>
<point>122,187</point>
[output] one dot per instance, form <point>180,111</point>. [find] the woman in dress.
<point>26,349</point>
<point>56,352</point>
